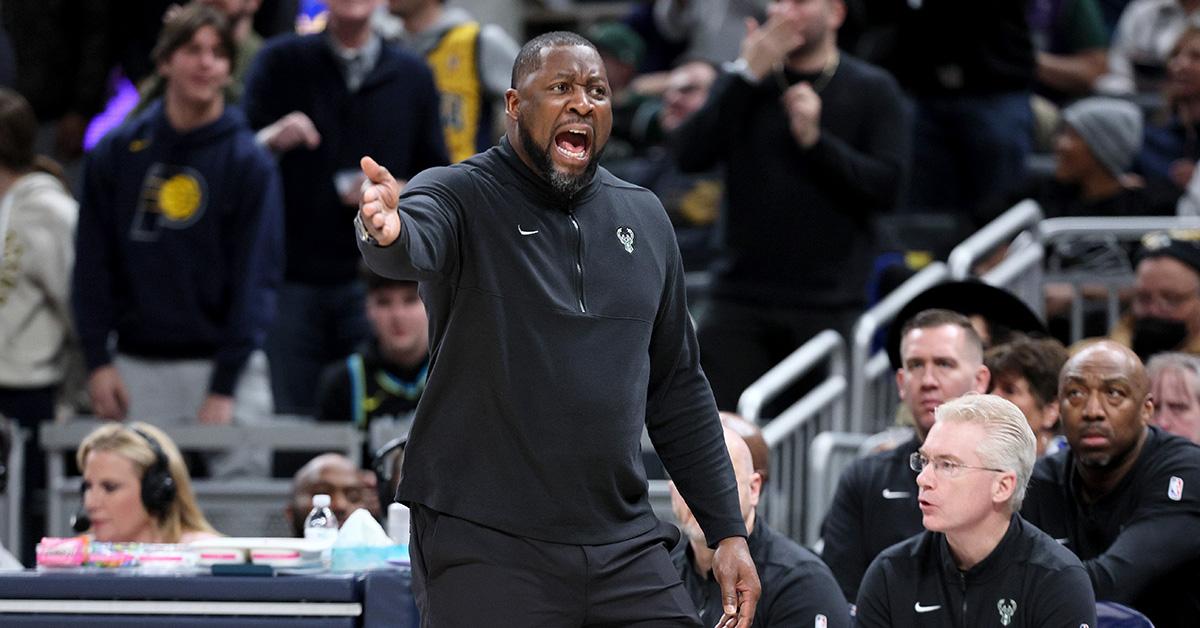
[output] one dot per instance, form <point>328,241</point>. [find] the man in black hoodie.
<point>544,275</point>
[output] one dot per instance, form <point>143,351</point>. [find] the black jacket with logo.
<point>1028,580</point>
<point>874,508</point>
<point>557,330</point>
<point>1141,542</point>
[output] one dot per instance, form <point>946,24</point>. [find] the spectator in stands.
<point>813,143</point>
<point>247,43</point>
<point>1095,148</point>
<point>39,365</point>
<point>37,224</point>
<point>1165,315</point>
<point>63,57</point>
<point>1071,47</point>
<point>1141,46</point>
<point>472,67</point>
<point>1025,372</point>
<point>692,200</point>
<point>798,589</point>
<point>969,69</point>
<point>710,28</point>
<point>348,487</point>
<point>977,561</point>
<point>622,50</point>
<point>1175,388</point>
<point>875,505</point>
<point>386,376</point>
<point>1170,150</point>
<point>1124,496</point>
<point>321,102</point>
<point>178,250</point>
<point>136,487</point>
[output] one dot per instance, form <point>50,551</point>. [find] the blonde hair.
<point>1008,441</point>
<point>182,514</point>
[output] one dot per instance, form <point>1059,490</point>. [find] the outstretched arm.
<point>379,208</point>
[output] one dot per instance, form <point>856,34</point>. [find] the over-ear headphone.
<point>158,487</point>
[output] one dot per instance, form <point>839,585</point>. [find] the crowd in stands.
<point>196,264</point>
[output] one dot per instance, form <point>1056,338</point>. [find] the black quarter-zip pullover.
<point>557,329</point>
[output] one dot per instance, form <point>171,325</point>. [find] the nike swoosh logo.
<point>1063,541</point>
<point>524,232</point>
<point>925,609</point>
<point>890,494</point>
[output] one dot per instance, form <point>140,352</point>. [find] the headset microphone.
<point>80,521</point>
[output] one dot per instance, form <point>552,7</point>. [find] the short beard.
<point>565,186</point>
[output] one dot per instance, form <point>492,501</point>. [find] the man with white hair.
<point>977,561</point>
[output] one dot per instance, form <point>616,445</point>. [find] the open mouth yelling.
<point>574,144</point>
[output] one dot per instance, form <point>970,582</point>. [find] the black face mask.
<point>1157,335</point>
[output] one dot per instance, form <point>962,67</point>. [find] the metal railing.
<point>253,505</point>
<point>1024,215</point>
<point>790,434</point>
<point>1021,270</point>
<point>872,391</point>
<point>1115,232</point>
<point>827,346</point>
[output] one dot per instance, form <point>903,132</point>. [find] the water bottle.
<point>398,523</point>
<point>320,523</point>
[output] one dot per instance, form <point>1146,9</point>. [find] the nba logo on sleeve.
<point>1175,488</point>
<point>820,622</point>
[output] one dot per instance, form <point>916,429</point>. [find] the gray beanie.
<point>1112,129</point>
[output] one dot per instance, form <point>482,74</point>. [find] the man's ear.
<point>1003,487</point>
<point>756,483</point>
<point>900,382</point>
<point>982,378</point>
<point>512,100</point>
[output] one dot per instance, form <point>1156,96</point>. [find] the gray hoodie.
<point>35,277</point>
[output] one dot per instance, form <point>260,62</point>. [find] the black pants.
<point>740,342</point>
<point>467,575</point>
<point>29,408</point>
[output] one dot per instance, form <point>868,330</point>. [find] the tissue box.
<point>362,558</point>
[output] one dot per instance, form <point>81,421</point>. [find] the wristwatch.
<point>361,229</point>
<point>741,67</point>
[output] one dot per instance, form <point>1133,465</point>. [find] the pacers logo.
<point>173,197</point>
<point>179,197</point>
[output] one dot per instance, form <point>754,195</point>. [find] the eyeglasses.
<point>942,467</point>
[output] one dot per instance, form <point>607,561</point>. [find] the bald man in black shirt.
<point>1126,496</point>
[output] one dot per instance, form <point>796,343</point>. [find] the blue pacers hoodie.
<point>180,244</point>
